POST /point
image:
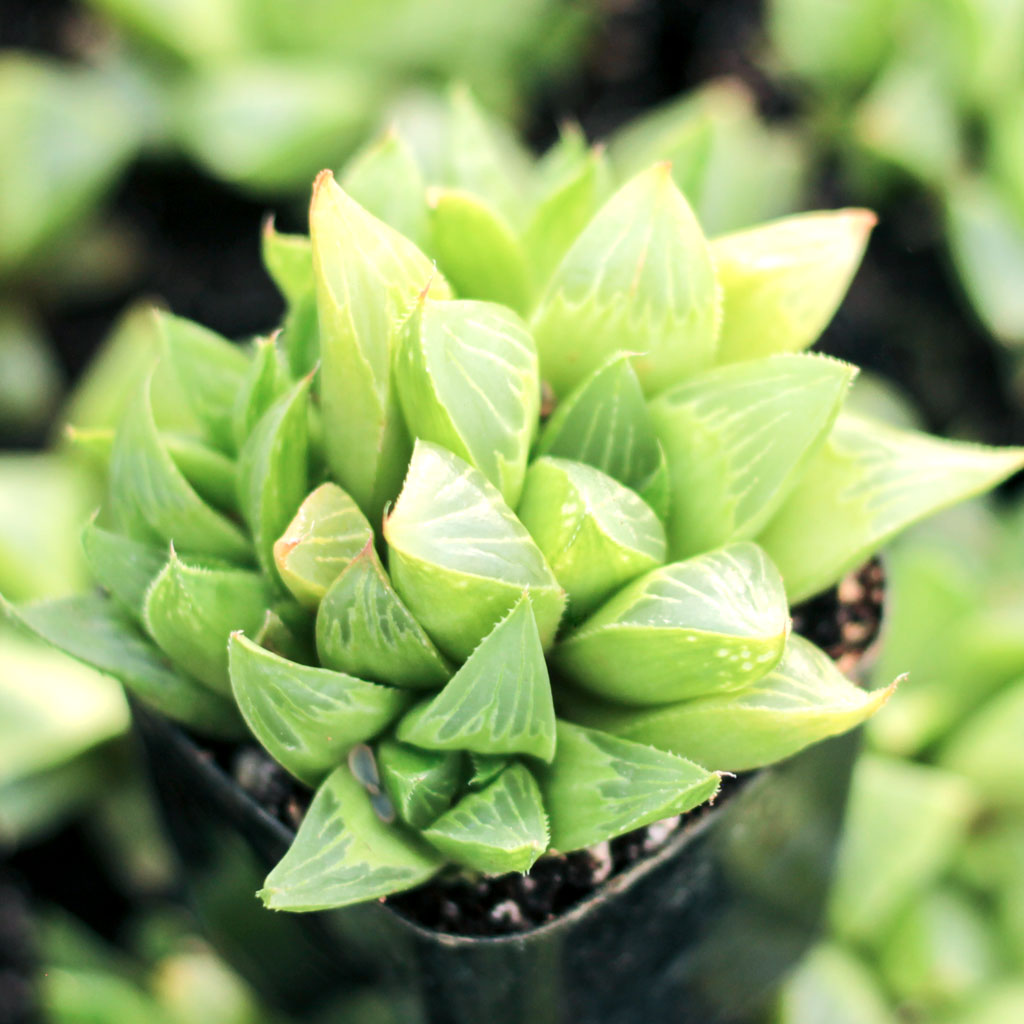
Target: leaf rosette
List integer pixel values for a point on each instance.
(481, 628)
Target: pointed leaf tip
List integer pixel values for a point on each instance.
(499, 701)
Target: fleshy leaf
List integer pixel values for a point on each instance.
(190, 612)
(483, 156)
(986, 240)
(363, 628)
(121, 565)
(712, 624)
(209, 472)
(368, 277)
(150, 494)
(804, 699)
(600, 786)
(783, 281)
(345, 854)
(386, 181)
(467, 379)
(211, 371)
(306, 718)
(498, 829)
(273, 470)
(459, 558)
(638, 279)
(279, 637)
(486, 768)
(564, 209)
(289, 261)
(91, 628)
(213, 475)
(986, 748)
(327, 532)
(477, 250)
(906, 823)
(868, 482)
(499, 701)
(736, 439)
(595, 534)
(420, 783)
(604, 422)
(266, 379)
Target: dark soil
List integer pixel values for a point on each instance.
(844, 622)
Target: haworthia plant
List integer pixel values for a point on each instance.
(510, 573)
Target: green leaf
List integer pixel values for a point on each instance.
(213, 475)
(832, 985)
(385, 180)
(345, 854)
(868, 482)
(280, 637)
(595, 534)
(500, 828)
(307, 718)
(486, 768)
(44, 498)
(712, 624)
(987, 748)
(368, 277)
(601, 786)
(564, 209)
(605, 423)
(734, 169)
(459, 558)
(483, 157)
(420, 783)
(499, 701)
(838, 46)
(273, 470)
(477, 250)
(190, 612)
(289, 262)
(466, 374)
(267, 122)
(266, 379)
(909, 118)
(211, 371)
(638, 279)
(363, 628)
(803, 700)
(941, 951)
(905, 824)
(150, 494)
(736, 439)
(121, 565)
(209, 472)
(67, 131)
(92, 629)
(131, 350)
(986, 239)
(328, 531)
(782, 281)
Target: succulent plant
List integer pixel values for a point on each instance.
(494, 543)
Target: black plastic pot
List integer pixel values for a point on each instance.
(698, 933)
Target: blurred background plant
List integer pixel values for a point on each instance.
(916, 108)
(125, 123)
(926, 924)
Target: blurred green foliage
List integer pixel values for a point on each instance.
(930, 91)
(927, 917)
